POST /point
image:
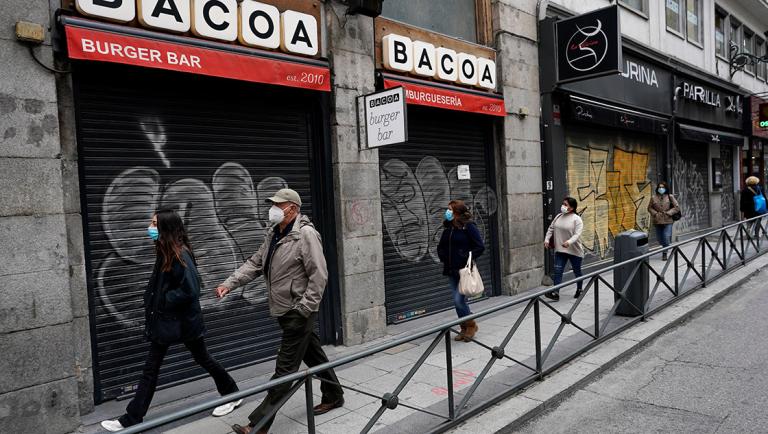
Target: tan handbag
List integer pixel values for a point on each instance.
(470, 282)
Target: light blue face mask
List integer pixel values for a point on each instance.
(662, 190)
(448, 216)
(153, 233)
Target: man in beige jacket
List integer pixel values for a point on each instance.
(292, 262)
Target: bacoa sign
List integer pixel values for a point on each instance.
(252, 23)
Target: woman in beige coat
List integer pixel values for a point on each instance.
(662, 207)
(564, 235)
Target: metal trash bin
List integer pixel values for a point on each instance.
(628, 245)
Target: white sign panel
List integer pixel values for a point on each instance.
(385, 118)
(463, 171)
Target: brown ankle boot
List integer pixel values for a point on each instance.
(460, 336)
(472, 328)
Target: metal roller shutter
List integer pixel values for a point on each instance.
(690, 181)
(214, 150)
(418, 179)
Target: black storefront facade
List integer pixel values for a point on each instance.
(211, 145)
(708, 136)
(606, 143)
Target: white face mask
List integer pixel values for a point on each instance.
(276, 215)
(563, 209)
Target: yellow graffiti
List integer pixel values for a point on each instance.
(613, 193)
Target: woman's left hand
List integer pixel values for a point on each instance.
(566, 244)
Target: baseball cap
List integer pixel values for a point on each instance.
(285, 195)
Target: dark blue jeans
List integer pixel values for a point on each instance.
(561, 259)
(664, 234)
(459, 299)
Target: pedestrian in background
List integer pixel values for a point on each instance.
(564, 236)
(663, 206)
(292, 261)
(753, 201)
(460, 238)
(173, 315)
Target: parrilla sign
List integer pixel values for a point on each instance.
(249, 22)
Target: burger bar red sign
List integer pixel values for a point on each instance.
(251, 23)
(589, 45)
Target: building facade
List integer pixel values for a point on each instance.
(128, 107)
(677, 112)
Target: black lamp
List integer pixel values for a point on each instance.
(370, 8)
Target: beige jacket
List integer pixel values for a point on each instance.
(662, 207)
(567, 227)
(297, 272)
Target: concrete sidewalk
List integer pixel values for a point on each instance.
(381, 373)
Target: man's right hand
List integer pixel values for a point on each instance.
(221, 291)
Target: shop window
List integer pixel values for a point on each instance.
(734, 34)
(636, 5)
(674, 16)
(721, 49)
(693, 20)
(748, 47)
(457, 18)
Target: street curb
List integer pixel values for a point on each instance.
(510, 415)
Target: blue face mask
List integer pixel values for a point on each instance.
(153, 233)
(662, 190)
(448, 216)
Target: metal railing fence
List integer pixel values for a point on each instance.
(715, 253)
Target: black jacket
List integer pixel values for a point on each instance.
(172, 303)
(747, 205)
(455, 245)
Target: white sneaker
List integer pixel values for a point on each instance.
(227, 408)
(112, 425)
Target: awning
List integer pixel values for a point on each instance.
(586, 110)
(104, 42)
(427, 93)
(705, 135)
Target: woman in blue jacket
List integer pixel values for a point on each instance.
(459, 238)
(172, 316)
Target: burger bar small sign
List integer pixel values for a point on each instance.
(589, 45)
(249, 22)
(385, 118)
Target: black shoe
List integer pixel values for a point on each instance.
(325, 407)
(552, 295)
(664, 256)
(577, 294)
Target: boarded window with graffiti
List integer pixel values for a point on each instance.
(612, 176)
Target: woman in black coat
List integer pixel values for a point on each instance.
(173, 315)
(459, 238)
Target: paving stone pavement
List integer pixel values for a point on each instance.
(381, 373)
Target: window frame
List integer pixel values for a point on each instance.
(749, 68)
(679, 31)
(699, 23)
(737, 42)
(721, 13)
(760, 51)
(643, 13)
(483, 24)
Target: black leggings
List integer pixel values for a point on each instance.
(139, 405)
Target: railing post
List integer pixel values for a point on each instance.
(741, 239)
(449, 380)
(704, 244)
(537, 337)
(597, 308)
(310, 404)
(677, 273)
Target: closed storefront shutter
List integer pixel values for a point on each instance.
(418, 179)
(612, 175)
(691, 176)
(728, 195)
(211, 149)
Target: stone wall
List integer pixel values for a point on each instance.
(44, 332)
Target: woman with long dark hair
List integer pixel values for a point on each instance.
(460, 238)
(662, 207)
(173, 315)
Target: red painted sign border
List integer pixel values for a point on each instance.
(433, 96)
(89, 44)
